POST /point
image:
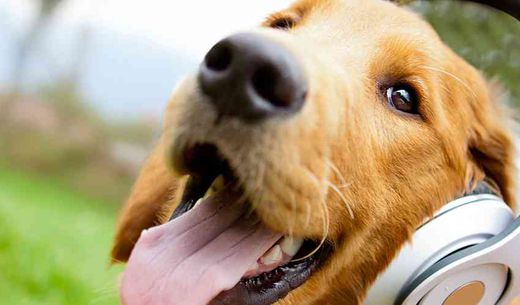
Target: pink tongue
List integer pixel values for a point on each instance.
(190, 260)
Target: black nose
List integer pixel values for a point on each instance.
(252, 78)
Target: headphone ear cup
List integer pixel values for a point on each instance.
(461, 225)
(489, 271)
(480, 284)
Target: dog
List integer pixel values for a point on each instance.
(320, 142)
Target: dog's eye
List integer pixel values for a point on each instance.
(285, 23)
(403, 98)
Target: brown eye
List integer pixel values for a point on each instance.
(283, 23)
(403, 98)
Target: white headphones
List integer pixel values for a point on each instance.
(467, 254)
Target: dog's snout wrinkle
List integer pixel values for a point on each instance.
(252, 78)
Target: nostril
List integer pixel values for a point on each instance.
(219, 58)
(252, 78)
(264, 82)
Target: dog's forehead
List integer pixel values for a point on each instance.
(362, 17)
(363, 31)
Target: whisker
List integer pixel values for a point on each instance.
(336, 171)
(456, 78)
(344, 186)
(308, 207)
(342, 197)
(326, 228)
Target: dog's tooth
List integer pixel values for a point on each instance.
(209, 192)
(198, 202)
(218, 184)
(253, 267)
(273, 256)
(291, 245)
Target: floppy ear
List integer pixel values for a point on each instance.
(147, 205)
(492, 148)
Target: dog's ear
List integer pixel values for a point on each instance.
(491, 146)
(147, 204)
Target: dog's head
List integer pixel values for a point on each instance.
(346, 123)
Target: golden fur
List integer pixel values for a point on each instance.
(347, 167)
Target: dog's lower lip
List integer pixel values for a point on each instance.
(272, 286)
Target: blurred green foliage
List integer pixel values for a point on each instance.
(488, 39)
(53, 252)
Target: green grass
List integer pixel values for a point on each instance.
(54, 244)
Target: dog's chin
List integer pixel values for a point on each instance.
(289, 262)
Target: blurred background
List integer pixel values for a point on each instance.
(83, 84)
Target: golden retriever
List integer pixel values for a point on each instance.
(333, 131)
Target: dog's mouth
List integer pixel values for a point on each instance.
(280, 267)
